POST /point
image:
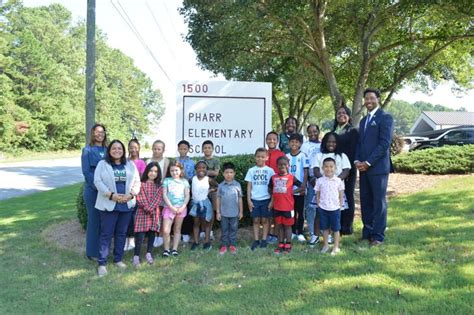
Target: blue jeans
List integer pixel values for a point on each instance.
(310, 208)
(93, 222)
(229, 228)
(113, 223)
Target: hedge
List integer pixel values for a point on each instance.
(242, 164)
(442, 160)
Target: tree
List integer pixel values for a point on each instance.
(42, 63)
(346, 45)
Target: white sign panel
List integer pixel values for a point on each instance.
(235, 116)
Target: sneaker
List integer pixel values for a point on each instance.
(324, 249)
(263, 244)
(158, 242)
(287, 248)
(294, 236)
(232, 249)
(280, 249)
(335, 251)
(174, 253)
(202, 235)
(194, 246)
(223, 250)
(207, 246)
(186, 238)
(272, 239)
(136, 261)
(101, 271)
(254, 245)
(166, 254)
(149, 258)
(330, 239)
(314, 240)
(121, 265)
(301, 238)
(211, 236)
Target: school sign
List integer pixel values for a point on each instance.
(235, 116)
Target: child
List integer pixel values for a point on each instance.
(281, 186)
(230, 209)
(299, 169)
(185, 160)
(147, 219)
(291, 125)
(201, 208)
(330, 197)
(188, 164)
(311, 148)
(258, 197)
(176, 197)
(273, 153)
(158, 149)
(213, 168)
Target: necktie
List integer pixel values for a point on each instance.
(369, 117)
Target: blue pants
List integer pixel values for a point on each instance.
(373, 204)
(113, 223)
(93, 222)
(229, 228)
(310, 208)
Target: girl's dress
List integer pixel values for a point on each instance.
(148, 212)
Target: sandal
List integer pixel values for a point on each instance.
(175, 253)
(166, 253)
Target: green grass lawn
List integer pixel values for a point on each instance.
(426, 266)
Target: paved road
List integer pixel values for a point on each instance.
(22, 178)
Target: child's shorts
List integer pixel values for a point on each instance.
(168, 214)
(286, 218)
(260, 209)
(330, 219)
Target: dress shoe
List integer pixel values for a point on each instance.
(375, 243)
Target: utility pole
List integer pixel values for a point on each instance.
(90, 68)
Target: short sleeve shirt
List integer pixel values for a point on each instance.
(329, 189)
(260, 178)
(342, 161)
(298, 163)
(188, 165)
(272, 157)
(212, 165)
(282, 191)
(229, 193)
(176, 190)
(311, 149)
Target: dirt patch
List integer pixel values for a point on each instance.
(69, 235)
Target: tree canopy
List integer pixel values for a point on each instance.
(42, 67)
(334, 48)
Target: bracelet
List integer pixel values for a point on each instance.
(111, 195)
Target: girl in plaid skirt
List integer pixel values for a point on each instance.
(147, 219)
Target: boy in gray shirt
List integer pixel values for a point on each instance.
(230, 209)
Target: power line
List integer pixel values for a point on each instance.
(161, 31)
(135, 31)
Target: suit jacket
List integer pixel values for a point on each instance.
(104, 180)
(374, 143)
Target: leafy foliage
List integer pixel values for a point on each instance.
(81, 208)
(443, 160)
(42, 65)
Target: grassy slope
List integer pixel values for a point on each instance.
(426, 266)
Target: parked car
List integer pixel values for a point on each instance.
(459, 136)
(410, 141)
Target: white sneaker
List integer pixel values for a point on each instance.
(101, 271)
(324, 249)
(301, 238)
(186, 238)
(330, 239)
(211, 235)
(158, 242)
(202, 235)
(120, 265)
(335, 251)
(314, 240)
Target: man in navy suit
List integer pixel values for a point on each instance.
(372, 159)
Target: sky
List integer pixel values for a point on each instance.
(162, 29)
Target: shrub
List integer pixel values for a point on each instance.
(81, 208)
(443, 160)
